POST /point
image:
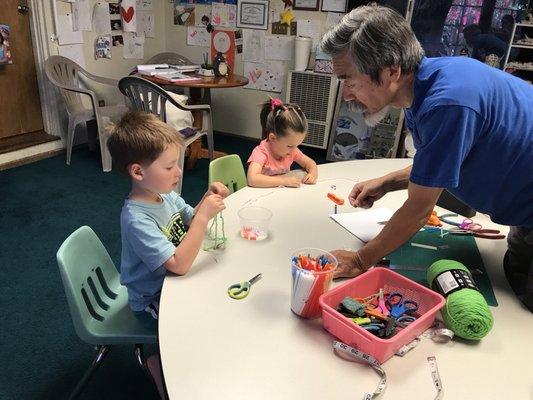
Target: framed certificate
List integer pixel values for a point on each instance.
(334, 5)
(310, 5)
(252, 14)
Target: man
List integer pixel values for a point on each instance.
(483, 44)
(472, 127)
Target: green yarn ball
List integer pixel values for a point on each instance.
(466, 311)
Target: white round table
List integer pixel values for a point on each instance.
(214, 347)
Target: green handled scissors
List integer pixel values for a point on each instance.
(239, 291)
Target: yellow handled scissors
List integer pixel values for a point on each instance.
(239, 291)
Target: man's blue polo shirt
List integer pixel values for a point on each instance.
(472, 129)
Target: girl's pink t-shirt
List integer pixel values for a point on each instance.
(271, 166)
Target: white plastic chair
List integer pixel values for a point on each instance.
(66, 75)
(169, 58)
(151, 98)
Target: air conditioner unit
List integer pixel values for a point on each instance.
(316, 95)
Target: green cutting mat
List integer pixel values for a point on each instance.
(462, 248)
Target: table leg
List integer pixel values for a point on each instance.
(196, 150)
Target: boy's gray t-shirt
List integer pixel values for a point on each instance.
(150, 234)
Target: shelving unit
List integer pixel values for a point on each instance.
(522, 66)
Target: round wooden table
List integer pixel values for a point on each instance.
(200, 93)
(205, 84)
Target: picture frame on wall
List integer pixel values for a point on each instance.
(309, 5)
(252, 14)
(334, 5)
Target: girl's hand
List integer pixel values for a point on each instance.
(309, 179)
(292, 181)
(211, 206)
(218, 188)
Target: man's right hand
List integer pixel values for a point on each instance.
(349, 264)
(211, 205)
(365, 193)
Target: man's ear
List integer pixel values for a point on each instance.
(135, 170)
(391, 74)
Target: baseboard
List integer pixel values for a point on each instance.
(26, 156)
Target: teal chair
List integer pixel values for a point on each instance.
(97, 301)
(228, 170)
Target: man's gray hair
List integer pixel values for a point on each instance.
(375, 37)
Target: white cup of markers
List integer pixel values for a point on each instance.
(312, 273)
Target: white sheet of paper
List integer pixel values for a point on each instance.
(101, 18)
(364, 224)
(65, 32)
(279, 47)
(332, 19)
(334, 5)
(253, 44)
(128, 14)
(146, 25)
(223, 14)
(73, 52)
(268, 76)
(198, 36)
(276, 8)
(133, 45)
(144, 5)
(81, 12)
(309, 28)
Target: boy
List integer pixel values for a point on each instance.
(154, 219)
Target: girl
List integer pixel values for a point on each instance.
(284, 129)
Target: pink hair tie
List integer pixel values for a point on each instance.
(277, 103)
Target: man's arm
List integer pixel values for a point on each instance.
(399, 180)
(405, 222)
(365, 193)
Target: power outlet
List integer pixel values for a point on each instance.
(279, 29)
(293, 28)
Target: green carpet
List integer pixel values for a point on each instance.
(42, 203)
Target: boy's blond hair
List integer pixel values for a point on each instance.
(140, 138)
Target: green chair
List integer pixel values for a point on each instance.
(228, 170)
(97, 301)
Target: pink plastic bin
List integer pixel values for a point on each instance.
(429, 302)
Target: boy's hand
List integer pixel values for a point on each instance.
(211, 206)
(292, 181)
(218, 188)
(309, 179)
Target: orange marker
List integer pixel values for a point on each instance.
(335, 199)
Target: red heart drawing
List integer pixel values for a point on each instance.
(127, 15)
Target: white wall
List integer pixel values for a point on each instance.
(117, 66)
(235, 110)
